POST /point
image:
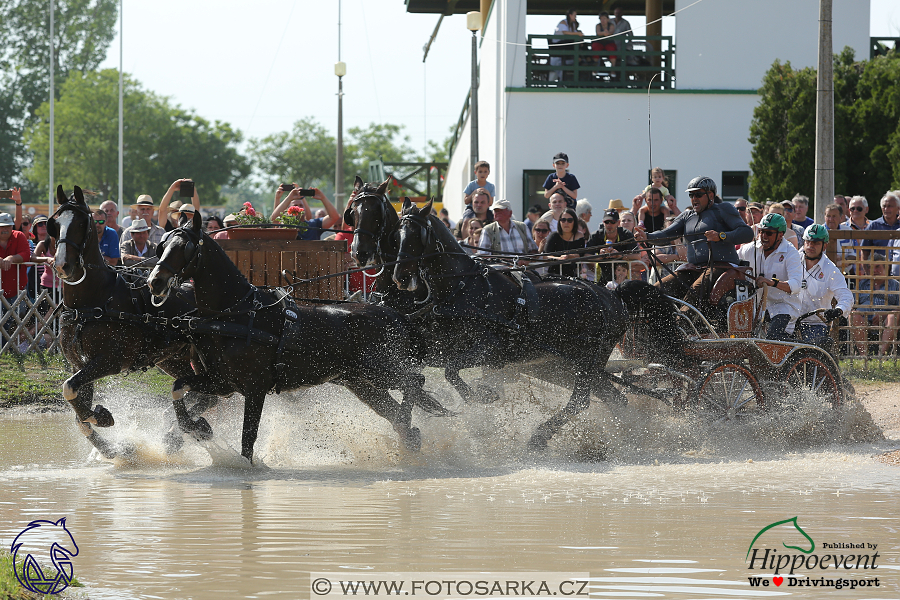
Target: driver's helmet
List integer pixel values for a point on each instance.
(773, 221)
(816, 233)
(702, 183)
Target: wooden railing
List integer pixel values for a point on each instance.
(573, 63)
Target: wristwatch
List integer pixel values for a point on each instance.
(722, 235)
(774, 282)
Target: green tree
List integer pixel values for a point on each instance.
(162, 143)
(305, 155)
(83, 30)
(866, 127)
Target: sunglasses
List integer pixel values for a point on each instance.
(857, 208)
(741, 208)
(696, 194)
(99, 222)
(567, 220)
(542, 230)
(767, 232)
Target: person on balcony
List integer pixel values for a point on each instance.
(604, 29)
(566, 27)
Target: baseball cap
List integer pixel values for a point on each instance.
(610, 215)
(6, 220)
(501, 204)
(561, 156)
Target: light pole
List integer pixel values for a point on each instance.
(52, 94)
(473, 24)
(340, 69)
(824, 182)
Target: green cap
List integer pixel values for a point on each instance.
(773, 221)
(816, 233)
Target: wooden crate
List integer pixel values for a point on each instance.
(262, 261)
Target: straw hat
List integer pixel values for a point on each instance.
(143, 200)
(174, 205)
(616, 205)
(138, 225)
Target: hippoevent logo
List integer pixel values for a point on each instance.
(789, 552)
(47, 543)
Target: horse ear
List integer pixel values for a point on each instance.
(407, 206)
(61, 195)
(349, 217)
(358, 184)
(198, 221)
(426, 210)
(382, 189)
(79, 195)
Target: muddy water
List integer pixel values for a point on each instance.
(649, 505)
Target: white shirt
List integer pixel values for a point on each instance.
(822, 283)
(784, 264)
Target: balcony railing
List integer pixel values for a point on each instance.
(879, 46)
(584, 65)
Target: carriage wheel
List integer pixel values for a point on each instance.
(809, 374)
(729, 392)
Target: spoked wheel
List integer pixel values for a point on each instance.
(729, 392)
(811, 375)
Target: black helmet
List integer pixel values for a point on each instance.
(702, 183)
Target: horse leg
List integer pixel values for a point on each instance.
(580, 399)
(78, 390)
(398, 415)
(209, 391)
(484, 395)
(173, 439)
(253, 407)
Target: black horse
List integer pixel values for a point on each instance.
(255, 340)
(107, 325)
(375, 242)
(513, 320)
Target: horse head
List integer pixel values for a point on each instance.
(416, 240)
(72, 226)
(373, 219)
(52, 543)
(179, 253)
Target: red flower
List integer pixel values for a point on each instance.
(294, 210)
(248, 205)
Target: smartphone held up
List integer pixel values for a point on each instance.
(187, 189)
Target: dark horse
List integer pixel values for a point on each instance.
(376, 241)
(514, 320)
(107, 325)
(256, 340)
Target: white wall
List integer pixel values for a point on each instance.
(605, 136)
(730, 44)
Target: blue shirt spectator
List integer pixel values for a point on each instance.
(889, 221)
(473, 185)
(109, 243)
(313, 231)
(879, 297)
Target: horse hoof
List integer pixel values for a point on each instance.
(101, 417)
(413, 441)
(201, 430)
(172, 441)
(178, 394)
(68, 393)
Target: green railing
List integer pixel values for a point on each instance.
(578, 65)
(879, 46)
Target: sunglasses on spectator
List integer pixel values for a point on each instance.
(567, 220)
(857, 208)
(541, 230)
(696, 194)
(99, 221)
(741, 208)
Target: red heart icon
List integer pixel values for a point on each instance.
(777, 580)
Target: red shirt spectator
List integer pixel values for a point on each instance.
(13, 247)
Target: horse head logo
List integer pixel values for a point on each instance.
(793, 521)
(49, 543)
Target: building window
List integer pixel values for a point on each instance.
(532, 190)
(734, 185)
(671, 177)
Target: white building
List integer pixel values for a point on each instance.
(700, 122)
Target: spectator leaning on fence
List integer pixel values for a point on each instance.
(14, 250)
(821, 282)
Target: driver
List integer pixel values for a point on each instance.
(822, 281)
(711, 229)
(777, 264)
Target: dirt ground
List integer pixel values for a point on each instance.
(882, 400)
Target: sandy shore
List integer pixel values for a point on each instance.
(882, 400)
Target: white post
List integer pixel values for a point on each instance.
(121, 119)
(824, 192)
(52, 94)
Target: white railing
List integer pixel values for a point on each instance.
(24, 323)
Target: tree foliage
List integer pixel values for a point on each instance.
(83, 30)
(162, 143)
(866, 128)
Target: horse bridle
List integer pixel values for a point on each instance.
(382, 203)
(78, 247)
(193, 250)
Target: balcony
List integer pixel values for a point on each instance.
(642, 62)
(879, 46)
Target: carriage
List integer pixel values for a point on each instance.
(725, 373)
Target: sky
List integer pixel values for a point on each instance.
(263, 65)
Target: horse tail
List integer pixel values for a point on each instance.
(654, 317)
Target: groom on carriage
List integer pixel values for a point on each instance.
(711, 230)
